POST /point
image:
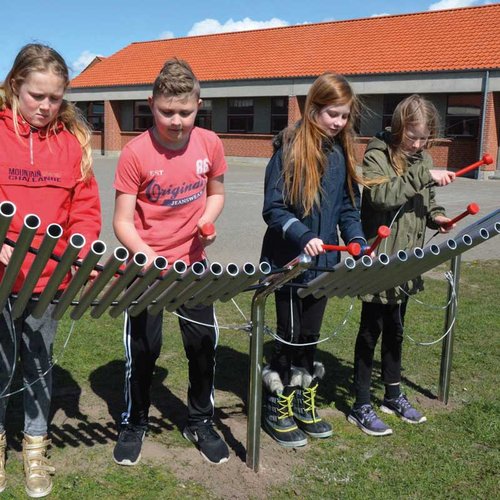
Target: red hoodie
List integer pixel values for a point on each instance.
(39, 173)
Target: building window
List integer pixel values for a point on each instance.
(204, 116)
(279, 114)
(143, 118)
(94, 113)
(240, 115)
(390, 103)
(462, 115)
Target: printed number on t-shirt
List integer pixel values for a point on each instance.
(202, 166)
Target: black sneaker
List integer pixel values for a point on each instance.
(128, 447)
(211, 446)
(306, 414)
(278, 421)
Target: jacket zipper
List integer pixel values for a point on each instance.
(31, 147)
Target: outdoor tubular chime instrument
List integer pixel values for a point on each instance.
(131, 282)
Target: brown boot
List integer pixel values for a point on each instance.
(36, 466)
(3, 446)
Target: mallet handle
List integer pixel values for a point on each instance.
(353, 248)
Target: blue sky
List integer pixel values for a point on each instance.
(81, 30)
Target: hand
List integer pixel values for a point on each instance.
(441, 220)
(6, 254)
(314, 247)
(442, 177)
(206, 239)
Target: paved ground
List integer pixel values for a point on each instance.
(240, 227)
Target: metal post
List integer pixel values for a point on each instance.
(270, 284)
(447, 348)
(255, 384)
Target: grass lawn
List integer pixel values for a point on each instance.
(453, 455)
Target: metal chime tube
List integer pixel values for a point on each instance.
(213, 280)
(392, 273)
(403, 269)
(231, 273)
(337, 280)
(75, 244)
(171, 293)
(178, 268)
(97, 250)
(159, 264)
(325, 279)
(375, 272)
(363, 267)
(7, 211)
(263, 269)
(119, 256)
(52, 235)
(138, 261)
(245, 278)
(187, 293)
(31, 224)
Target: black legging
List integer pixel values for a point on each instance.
(387, 319)
(301, 327)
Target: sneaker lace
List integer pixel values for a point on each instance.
(130, 435)
(285, 406)
(206, 432)
(368, 413)
(309, 395)
(403, 402)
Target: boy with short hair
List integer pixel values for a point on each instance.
(170, 182)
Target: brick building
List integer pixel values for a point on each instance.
(255, 82)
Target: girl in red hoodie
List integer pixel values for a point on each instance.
(45, 169)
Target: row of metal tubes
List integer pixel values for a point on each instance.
(390, 271)
(413, 265)
(196, 284)
(421, 261)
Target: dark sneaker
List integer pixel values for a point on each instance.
(211, 446)
(306, 414)
(278, 419)
(367, 420)
(128, 447)
(403, 409)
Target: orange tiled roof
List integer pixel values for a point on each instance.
(449, 40)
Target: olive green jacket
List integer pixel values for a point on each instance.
(405, 203)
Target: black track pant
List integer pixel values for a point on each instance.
(143, 339)
(376, 319)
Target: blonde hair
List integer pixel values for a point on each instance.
(412, 110)
(304, 159)
(176, 79)
(37, 57)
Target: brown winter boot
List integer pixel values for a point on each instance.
(3, 446)
(36, 466)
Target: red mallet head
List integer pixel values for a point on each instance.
(383, 232)
(207, 229)
(354, 249)
(472, 208)
(487, 159)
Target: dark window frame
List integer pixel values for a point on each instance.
(240, 119)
